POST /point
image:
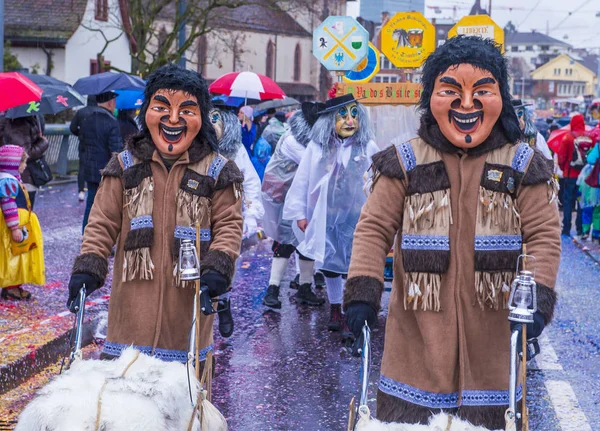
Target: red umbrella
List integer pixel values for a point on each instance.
(17, 90)
(557, 136)
(248, 85)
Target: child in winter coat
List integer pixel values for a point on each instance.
(13, 161)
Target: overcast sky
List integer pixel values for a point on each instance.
(582, 27)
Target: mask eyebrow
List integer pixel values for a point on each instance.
(162, 99)
(451, 81)
(188, 103)
(486, 80)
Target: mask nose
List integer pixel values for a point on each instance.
(467, 101)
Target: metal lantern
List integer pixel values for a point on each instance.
(522, 301)
(189, 265)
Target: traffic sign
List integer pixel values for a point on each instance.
(367, 68)
(479, 25)
(340, 43)
(407, 39)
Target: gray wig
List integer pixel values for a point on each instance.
(529, 131)
(231, 140)
(299, 127)
(323, 131)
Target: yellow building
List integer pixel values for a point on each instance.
(565, 76)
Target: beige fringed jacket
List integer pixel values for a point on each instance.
(147, 210)
(459, 221)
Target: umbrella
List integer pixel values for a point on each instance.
(557, 136)
(274, 104)
(17, 90)
(109, 81)
(234, 102)
(56, 97)
(248, 85)
(54, 100)
(129, 99)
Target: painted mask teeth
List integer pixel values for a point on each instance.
(172, 133)
(468, 121)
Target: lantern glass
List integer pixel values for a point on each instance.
(523, 298)
(189, 267)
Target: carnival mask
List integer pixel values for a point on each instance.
(216, 120)
(466, 104)
(346, 120)
(521, 116)
(174, 120)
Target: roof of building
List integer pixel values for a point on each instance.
(42, 19)
(533, 37)
(590, 62)
(251, 17)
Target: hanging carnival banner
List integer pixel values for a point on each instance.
(479, 25)
(367, 68)
(340, 43)
(377, 93)
(407, 39)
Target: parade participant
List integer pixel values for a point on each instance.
(229, 135)
(461, 200)
(277, 180)
(327, 194)
(530, 132)
(152, 196)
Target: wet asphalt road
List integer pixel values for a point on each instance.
(285, 371)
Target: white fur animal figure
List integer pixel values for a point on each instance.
(153, 395)
(439, 422)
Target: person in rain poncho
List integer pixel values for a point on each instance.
(277, 180)
(327, 194)
(461, 201)
(229, 134)
(153, 195)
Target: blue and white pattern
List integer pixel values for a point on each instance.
(127, 159)
(216, 166)
(409, 160)
(115, 349)
(141, 222)
(435, 400)
(498, 242)
(425, 242)
(522, 157)
(184, 232)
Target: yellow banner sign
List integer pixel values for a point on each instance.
(375, 93)
(478, 25)
(407, 39)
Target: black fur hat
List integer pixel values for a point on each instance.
(173, 77)
(483, 54)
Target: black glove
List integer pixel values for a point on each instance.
(76, 283)
(357, 313)
(534, 330)
(214, 282)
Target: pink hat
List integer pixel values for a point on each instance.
(248, 112)
(10, 159)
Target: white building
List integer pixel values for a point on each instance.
(533, 48)
(55, 38)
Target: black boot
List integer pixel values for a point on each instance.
(305, 295)
(295, 283)
(272, 297)
(336, 320)
(319, 280)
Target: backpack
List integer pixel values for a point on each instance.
(582, 145)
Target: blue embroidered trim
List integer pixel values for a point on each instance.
(215, 167)
(141, 222)
(522, 156)
(434, 400)
(425, 242)
(127, 159)
(115, 349)
(183, 232)
(498, 242)
(409, 160)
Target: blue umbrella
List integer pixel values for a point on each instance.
(233, 101)
(129, 99)
(109, 81)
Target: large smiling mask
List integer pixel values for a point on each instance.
(174, 119)
(466, 104)
(466, 95)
